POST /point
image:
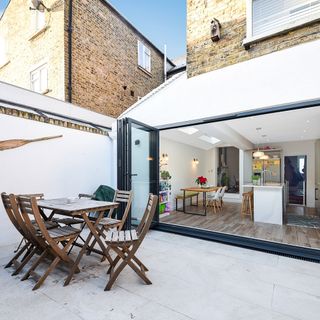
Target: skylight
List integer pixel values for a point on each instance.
(188, 130)
(208, 139)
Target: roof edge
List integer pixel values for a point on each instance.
(5, 9)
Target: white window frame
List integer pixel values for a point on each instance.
(284, 28)
(144, 62)
(38, 71)
(3, 51)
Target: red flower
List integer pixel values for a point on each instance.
(201, 180)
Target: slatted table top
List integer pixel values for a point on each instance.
(75, 204)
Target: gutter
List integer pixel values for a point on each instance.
(70, 52)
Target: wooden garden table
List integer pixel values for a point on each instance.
(81, 208)
(204, 191)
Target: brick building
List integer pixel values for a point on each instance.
(249, 29)
(80, 51)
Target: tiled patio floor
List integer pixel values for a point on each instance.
(192, 279)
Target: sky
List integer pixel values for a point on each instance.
(161, 21)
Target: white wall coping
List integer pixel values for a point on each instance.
(23, 96)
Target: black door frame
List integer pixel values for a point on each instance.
(124, 163)
(246, 242)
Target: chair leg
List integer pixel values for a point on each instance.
(18, 254)
(25, 261)
(115, 271)
(35, 265)
(45, 275)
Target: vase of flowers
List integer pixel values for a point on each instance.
(201, 181)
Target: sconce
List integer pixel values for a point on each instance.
(215, 30)
(164, 159)
(196, 161)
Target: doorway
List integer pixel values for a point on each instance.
(295, 174)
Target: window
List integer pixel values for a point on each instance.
(39, 79)
(3, 51)
(39, 20)
(265, 18)
(144, 57)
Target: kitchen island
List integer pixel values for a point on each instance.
(268, 202)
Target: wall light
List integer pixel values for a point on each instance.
(195, 161)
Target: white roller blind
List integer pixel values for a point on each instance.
(274, 15)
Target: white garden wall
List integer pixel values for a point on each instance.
(76, 163)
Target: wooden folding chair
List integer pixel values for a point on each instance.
(109, 222)
(126, 243)
(56, 241)
(10, 208)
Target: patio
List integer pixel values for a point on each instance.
(192, 279)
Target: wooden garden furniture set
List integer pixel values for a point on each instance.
(48, 240)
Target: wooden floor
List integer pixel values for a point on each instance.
(229, 220)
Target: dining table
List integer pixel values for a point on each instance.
(80, 208)
(204, 191)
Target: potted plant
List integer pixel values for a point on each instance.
(201, 181)
(255, 180)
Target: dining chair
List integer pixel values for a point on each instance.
(126, 243)
(221, 195)
(213, 200)
(31, 245)
(54, 242)
(123, 197)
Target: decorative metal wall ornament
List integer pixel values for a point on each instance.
(215, 30)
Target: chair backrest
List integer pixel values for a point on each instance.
(124, 197)
(223, 190)
(29, 206)
(9, 207)
(217, 194)
(147, 218)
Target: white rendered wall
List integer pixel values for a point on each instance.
(78, 162)
(180, 165)
(285, 76)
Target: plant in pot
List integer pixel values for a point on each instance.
(201, 181)
(165, 175)
(255, 180)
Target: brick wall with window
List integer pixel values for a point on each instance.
(33, 40)
(249, 28)
(112, 65)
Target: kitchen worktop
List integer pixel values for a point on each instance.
(268, 185)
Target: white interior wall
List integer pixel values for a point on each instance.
(77, 162)
(180, 165)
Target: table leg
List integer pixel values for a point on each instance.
(92, 233)
(205, 203)
(184, 201)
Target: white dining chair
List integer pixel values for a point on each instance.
(213, 199)
(221, 195)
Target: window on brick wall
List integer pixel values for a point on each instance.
(3, 51)
(273, 16)
(39, 20)
(144, 56)
(39, 79)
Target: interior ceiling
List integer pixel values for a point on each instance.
(296, 125)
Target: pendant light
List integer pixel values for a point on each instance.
(258, 153)
(264, 157)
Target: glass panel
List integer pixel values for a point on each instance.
(140, 171)
(295, 173)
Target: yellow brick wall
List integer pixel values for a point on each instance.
(203, 55)
(105, 60)
(24, 53)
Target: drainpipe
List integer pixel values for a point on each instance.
(70, 52)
